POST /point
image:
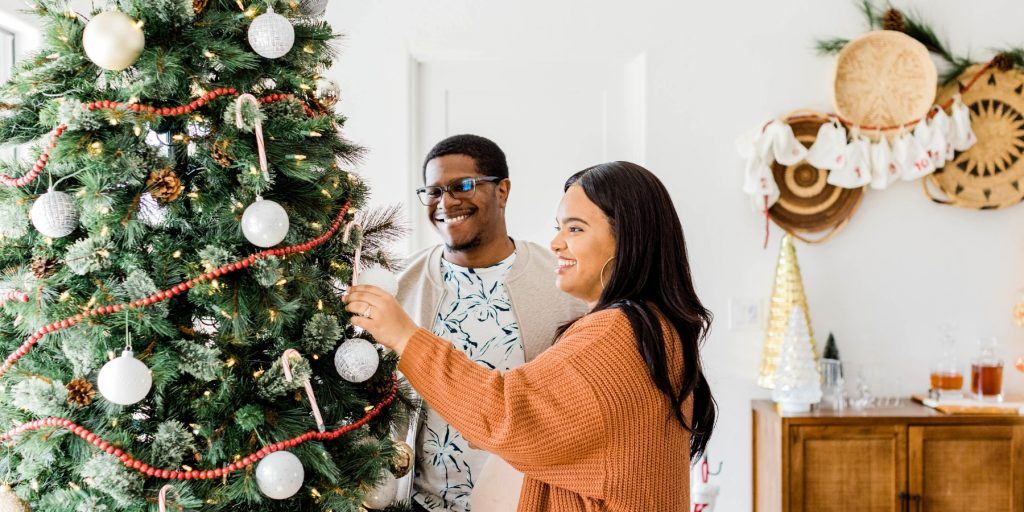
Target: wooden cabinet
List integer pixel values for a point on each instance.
(908, 459)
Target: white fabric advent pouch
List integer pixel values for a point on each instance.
(911, 157)
(941, 122)
(937, 146)
(785, 146)
(856, 170)
(829, 148)
(962, 135)
(883, 168)
(759, 182)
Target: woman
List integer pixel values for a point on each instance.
(609, 417)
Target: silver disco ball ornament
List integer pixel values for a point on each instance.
(327, 92)
(356, 360)
(54, 214)
(312, 8)
(271, 35)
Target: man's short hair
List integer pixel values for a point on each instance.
(489, 158)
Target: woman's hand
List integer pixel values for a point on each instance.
(381, 315)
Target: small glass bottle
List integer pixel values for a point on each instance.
(947, 379)
(987, 372)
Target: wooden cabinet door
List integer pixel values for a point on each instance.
(847, 468)
(967, 468)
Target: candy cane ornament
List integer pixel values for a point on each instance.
(257, 129)
(286, 364)
(162, 500)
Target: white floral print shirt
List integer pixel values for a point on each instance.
(476, 316)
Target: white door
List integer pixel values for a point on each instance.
(550, 119)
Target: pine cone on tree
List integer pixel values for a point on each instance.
(199, 5)
(165, 185)
(43, 267)
(220, 153)
(893, 20)
(1002, 62)
(80, 392)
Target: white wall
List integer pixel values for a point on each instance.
(715, 69)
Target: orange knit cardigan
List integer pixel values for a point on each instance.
(583, 421)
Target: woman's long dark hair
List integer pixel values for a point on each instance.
(651, 274)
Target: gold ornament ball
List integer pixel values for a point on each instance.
(113, 40)
(10, 502)
(328, 92)
(402, 462)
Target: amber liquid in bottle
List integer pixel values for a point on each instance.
(987, 380)
(947, 381)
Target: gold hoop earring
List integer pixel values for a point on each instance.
(603, 269)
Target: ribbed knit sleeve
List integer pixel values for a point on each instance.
(543, 418)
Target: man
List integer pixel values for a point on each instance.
(493, 297)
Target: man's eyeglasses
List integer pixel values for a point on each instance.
(462, 188)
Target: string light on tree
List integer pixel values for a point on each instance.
(280, 475)
(113, 41)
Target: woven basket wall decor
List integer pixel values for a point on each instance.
(884, 78)
(808, 205)
(990, 174)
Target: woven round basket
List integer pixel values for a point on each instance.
(990, 174)
(807, 204)
(884, 79)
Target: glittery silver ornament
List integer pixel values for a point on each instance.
(54, 214)
(271, 35)
(383, 494)
(312, 7)
(327, 92)
(356, 360)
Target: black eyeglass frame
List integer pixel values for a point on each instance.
(421, 192)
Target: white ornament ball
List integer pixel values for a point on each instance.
(356, 360)
(383, 494)
(312, 7)
(271, 35)
(125, 380)
(280, 475)
(113, 41)
(10, 502)
(380, 277)
(265, 223)
(54, 214)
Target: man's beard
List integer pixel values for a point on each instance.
(470, 245)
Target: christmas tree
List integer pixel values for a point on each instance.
(171, 255)
(787, 292)
(797, 382)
